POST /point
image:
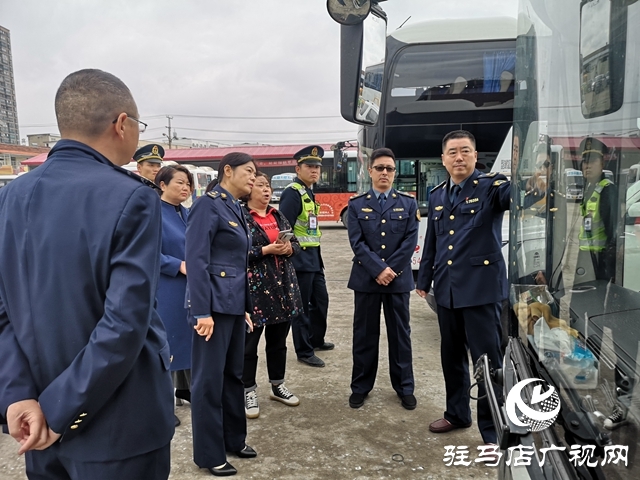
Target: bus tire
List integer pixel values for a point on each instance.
(344, 218)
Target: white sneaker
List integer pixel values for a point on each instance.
(251, 408)
(282, 394)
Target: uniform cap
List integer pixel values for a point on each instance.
(591, 148)
(311, 155)
(149, 153)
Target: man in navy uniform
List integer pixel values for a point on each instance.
(301, 210)
(462, 256)
(149, 160)
(383, 231)
(85, 357)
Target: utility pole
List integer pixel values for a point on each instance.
(170, 136)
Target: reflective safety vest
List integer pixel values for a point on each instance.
(595, 238)
(306, 236)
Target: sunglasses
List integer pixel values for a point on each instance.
(382, 168)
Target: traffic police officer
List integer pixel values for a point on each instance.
(149, 160)
(462, 256)
(217, 254)
(301, 210)
(383, 231)
(598, 210)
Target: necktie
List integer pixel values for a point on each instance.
(382, 200)
(456, 191)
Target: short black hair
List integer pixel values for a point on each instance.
(88, 100)
(458, 134)
(381, 152)
(166, 174)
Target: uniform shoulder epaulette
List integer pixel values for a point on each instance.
(498, 178)
(406, 194)
(357, 196)
(213, 194)
(439, 185)
(488, 175)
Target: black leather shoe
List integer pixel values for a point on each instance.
(247, 452)
(326, 346)
(184, 395)
(356, 400)
(408, 401)
(313, 361)
(225, 471)
(177, 420)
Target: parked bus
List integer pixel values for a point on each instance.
(279, 182)
(563, 50)
(574, 334)
(574, 184)
(337, 183)
(438, 76)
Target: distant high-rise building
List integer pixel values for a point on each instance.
(8, 108)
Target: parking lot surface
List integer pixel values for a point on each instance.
(323, 438)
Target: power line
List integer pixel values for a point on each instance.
(264, 133)
(222, 117)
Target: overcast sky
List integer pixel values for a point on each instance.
(231, 58)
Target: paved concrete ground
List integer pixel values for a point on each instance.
(323, 438)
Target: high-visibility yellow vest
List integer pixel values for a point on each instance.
(596, 239)
(306, 236)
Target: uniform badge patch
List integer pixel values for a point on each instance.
(367, 210)
(438, 208)
(418, 215)
(233, 224)
(498, 183)
(398, 209)
(472, 200)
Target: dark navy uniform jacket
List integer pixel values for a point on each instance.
(80, 260)
(382, 238)
(309, 259)
(462, 247)
(218, 244)
(173, 284)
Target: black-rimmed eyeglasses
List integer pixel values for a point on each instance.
(141, 125)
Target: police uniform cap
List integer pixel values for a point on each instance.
(149, 153)
(311, 155)
(592, 148)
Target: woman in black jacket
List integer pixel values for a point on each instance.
(274, 293)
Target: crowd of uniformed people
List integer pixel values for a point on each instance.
(103, 294)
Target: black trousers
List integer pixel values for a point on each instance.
(476, 330)
(49, 465)
(217, 391)
(366, 341)
(310, 327)
(276, 350)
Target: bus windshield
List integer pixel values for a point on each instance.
(575, 252)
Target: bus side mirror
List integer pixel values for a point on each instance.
(349, 12)
(603, 48)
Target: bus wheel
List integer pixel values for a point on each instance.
(344, 217)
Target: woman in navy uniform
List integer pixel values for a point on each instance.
(462, 255)
(176, 183)
(218, 243)
(383, 232)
